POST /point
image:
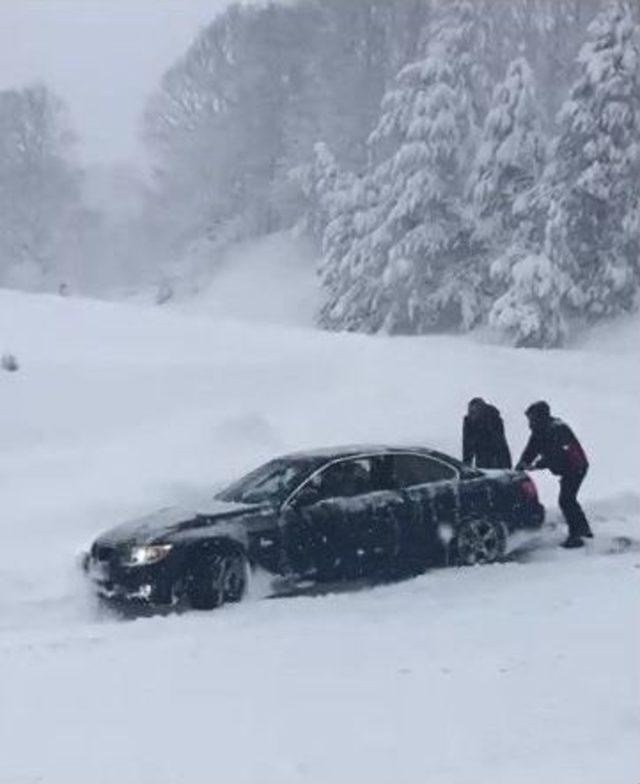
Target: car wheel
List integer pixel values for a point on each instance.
(218, 579)
(479, 541)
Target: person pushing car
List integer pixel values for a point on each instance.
(553, 445)
(483, 440)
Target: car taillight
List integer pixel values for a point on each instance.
(528, 489)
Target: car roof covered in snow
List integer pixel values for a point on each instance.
(352, 450)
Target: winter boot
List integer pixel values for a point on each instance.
(571, 542)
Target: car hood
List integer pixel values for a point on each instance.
(171, 520)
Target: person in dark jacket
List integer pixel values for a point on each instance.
(553, 445)
(483, 440)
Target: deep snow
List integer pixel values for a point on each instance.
(523, 672)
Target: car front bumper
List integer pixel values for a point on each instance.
(152, 584)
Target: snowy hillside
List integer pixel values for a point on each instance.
(522, 672)
(271, 279)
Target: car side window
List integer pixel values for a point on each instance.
(343, 479)
(411, 470)
(347, 478)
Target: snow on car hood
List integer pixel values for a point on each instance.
(169, 520)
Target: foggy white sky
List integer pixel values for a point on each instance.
(101, 56)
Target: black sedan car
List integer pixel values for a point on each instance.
(324, 515)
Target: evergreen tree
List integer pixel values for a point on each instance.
(527, 286)
(510, 215)
(405, 270)
(319, 181)
(348, 253)
(529, 311)
(511, 155)
(575, 244)
(595, 175)
(335, 199)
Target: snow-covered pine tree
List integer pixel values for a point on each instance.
(317, 180)
(350, 253)
(348, 209)
(334, 197)
(509, 211)
(405, 270)
(592, 232)
(529, 312)
(528, 286)
(510, 157)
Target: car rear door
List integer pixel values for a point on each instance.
(476, 497)
(430, 486)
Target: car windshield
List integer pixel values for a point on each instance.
(272, 482)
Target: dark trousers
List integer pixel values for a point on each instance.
(568, 502)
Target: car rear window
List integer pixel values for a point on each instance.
(410, 470)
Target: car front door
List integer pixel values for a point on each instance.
(345, 521)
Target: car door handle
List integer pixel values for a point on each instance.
(266, 542)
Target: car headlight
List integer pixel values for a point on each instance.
(141, 555)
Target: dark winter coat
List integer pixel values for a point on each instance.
(553, 445)
(484, 441)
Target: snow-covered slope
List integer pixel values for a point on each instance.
(270, 280)
(524, 672)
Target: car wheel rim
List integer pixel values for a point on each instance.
(479, 542)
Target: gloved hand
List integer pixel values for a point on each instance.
(535, 466)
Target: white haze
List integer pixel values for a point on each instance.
(102, 57)
(197, 124)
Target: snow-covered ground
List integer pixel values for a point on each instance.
(523, 672)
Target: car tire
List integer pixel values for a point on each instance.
(479, 541)
(218, 579)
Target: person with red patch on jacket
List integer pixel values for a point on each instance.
(553, 445)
